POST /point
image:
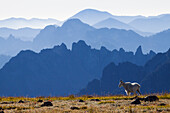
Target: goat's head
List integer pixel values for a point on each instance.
(120, 83)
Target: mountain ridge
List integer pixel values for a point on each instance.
(153, 77)
(37, 74)
(25, 34)
(74, 30)
(112, 23)
(16, 23)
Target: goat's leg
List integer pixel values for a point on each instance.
(139, 91)
(128, 93)
(134, 93)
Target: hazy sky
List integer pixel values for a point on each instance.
(62, 9)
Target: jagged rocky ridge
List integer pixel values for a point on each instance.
(154, 77)
(60, 71)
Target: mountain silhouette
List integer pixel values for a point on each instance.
(112, 23)
(143, 25)
(153, 76)
(25, 34)
(71, 31)
(74, 30)
(11, 46)
(108, 84)
(59, 71)
(3, 60)
(93, 16)
(152, 24)
(16, 23)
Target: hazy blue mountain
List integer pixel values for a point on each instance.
(145, 25)
(160, 41)
(60, 71)
(127, 19)
(114, 39)
(152, 24)
(164, 16)
(74, 30)
(144, 34)
(112, 23)
(26, 34)
(3, 60)
(71, 31)
(153, 76)
(92, 16)
(11, 46)
(17, 23)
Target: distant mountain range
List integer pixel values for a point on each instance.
(16, 23)
(25, 34)
(74, 30)
(3, 60)
(143, 25)
(60, 71)
(153, 77)
(152, 24)
(112, 23)
(92, 16)
(11, 46)
(71, 31)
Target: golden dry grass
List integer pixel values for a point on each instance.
(107, 104)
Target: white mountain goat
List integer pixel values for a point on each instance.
(130, 87)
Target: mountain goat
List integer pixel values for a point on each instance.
(130, 87)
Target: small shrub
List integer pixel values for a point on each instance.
(83, 107)
(106, 102)
(71, 96)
